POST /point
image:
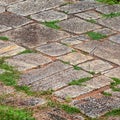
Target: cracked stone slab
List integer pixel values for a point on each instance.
(28, 7)
(97, 48)
(96, 107)
(115, 38)
(9, 49)
(113, 73)
(113, 23)
(108, 9)
(77, 25)
(54, 49)
(74, 91)
(59, 80)
(75, 40)
(50, 15)
(96, 66)
(37, 74)
(10, 20)
(88, 15)
(28, 61)
(34, 35)
(75, 58)
(79, 7)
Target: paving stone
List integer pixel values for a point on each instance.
(28, 61)
(113, 23)
(97, 48)
(34, 35)
(75, 58)
(113, 73)
(10, 20)
(50, 15)
(108, 9)
(105, 31)
(96, 66)
(115, 38)
(41, 73)
(2, 9)
(75, 91)
(59, 80)
(114, 118)
(79, 7)
(9, 49)
(30, 6)
(88, 15)
(54, 49)
(77, 25)
(75, 40)
(95, 107)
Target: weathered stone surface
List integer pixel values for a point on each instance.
(38, 74)
(10, 20)
(113, 72)
(28, 61)
(75, 40)
(75, 91)
(75, 58)
(30, 6)
(2, 9)
(59, 80)
(95, 107)
(50, 15)
(77, 25)
(9, 49)
(88, 15)
(115, 38)
(54, 49)
(110, 50)
(96, 66)
(113, 23)
(33, 35)
(108, 9)
(79, 7)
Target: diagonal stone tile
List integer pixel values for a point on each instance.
(34, 35)
(28, 61)
(2, 9)
(77, 25)
(54, 49)
(113, 23)
(50, 15)
(59, 80)
(75, 58)
(76, 90)
(10, 20)
(115, 38)
(33, 6)
(9, 49)
(96, 107)
(95, 66)
(41, 73)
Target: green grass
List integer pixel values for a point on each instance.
(109, 1)
(115, 112)
(92, 72)
(10, 113)
(106, 94)
(65, 62)
(76, 67)
(92, 21)
(27, 51)
(111, 15)
(80, 81)
(96, 36)
(116, 81)
(4, 38)
(52, 24)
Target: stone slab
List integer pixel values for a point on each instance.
(37, 74)
(59, 80)
(77, 25)
(50, 15)
(9, 49)
(54, 49)
(28, 61)
(115, 38)
(2, 9)
(34, 35)
(75, 58)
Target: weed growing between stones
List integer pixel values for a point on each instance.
(4, 38)
(115, 112)
(27, 51)
(114, 84)
(76, 67)
(109, 1)
(106, 93)
(111, 15)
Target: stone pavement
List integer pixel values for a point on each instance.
(63, 56)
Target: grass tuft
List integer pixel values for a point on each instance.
(4, 38)
(111, 15)
(115, 112)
